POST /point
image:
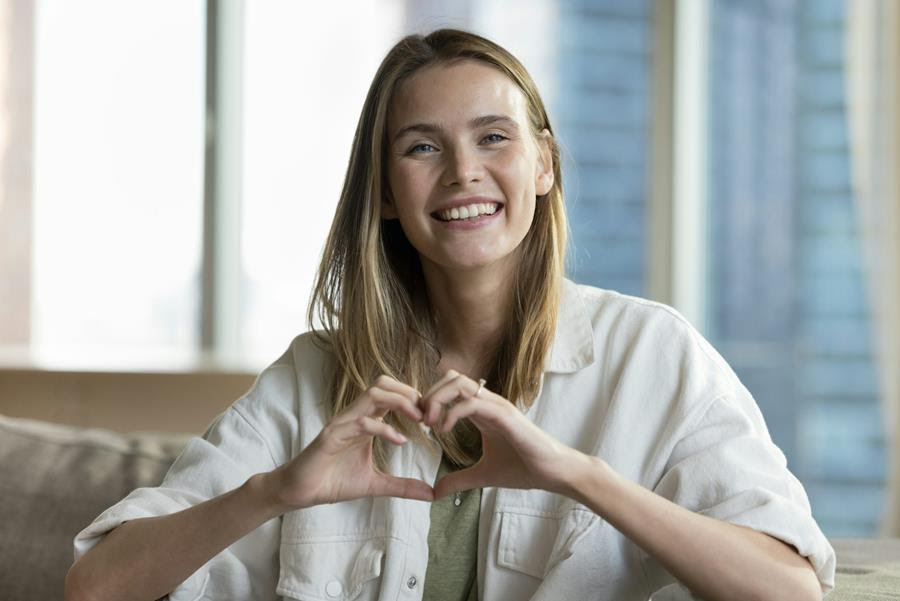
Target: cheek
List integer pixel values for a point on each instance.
(395, 178)
(406, 184)
(518, 174)
(408, 196)
(517, 169)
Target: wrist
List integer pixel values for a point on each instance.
(585, 477)
(263, 490)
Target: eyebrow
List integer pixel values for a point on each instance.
(475, 123)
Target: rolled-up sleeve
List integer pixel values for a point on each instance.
(229, 453)
(724, 465)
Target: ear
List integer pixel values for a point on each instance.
(387, 207)
(543, 176)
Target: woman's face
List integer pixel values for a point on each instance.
(463, 166)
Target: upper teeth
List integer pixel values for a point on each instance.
(473, 210)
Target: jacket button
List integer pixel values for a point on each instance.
(333, 588)
(411, 583)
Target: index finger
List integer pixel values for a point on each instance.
(390, 384)
(450, 374)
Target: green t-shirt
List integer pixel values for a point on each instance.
(453, 545)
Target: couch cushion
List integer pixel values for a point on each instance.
(54, 480)
(867, 570)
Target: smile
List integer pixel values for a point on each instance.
(472, 222)
(468, 212)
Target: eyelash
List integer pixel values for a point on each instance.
(501, 138)
(414, 149)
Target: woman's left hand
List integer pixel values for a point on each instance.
(515, 452)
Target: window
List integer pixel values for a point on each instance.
(603, 122)
(786, 300)
(117, 177)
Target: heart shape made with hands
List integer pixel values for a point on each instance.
(338, 464)
(515, 452)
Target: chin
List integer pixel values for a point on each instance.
(466, 263)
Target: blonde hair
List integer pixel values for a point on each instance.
(369, 294)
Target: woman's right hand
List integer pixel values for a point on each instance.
(338, 464)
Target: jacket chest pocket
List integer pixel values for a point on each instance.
(322, 562)
(331, 568)
(534, 543)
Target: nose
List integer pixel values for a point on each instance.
(462, 167)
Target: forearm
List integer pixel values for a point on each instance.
(716, 560)
(147, 558)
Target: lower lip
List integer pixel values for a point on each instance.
(470, 224)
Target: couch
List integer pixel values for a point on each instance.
(56, 479)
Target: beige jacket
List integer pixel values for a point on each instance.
(628, 380)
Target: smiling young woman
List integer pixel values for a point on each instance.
(467, 423)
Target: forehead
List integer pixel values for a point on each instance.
(454, 93)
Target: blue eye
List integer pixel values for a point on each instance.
(422, 148)
(494, 138)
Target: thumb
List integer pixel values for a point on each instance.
(408, 488)
(466, 479)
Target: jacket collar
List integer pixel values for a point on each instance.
(573, 347)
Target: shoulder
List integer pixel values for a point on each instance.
(642, 340)
(611, 312)
(602, 299)
(293, 386)
(306, 358)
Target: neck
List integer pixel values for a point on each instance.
(472, 308)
